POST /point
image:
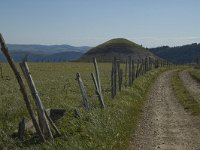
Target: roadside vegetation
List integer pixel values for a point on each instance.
(184, 97)
(195, 73)
(108, 128)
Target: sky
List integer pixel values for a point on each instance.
(151, 23)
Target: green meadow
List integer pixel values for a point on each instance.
(109, 128)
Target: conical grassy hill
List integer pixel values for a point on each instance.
(120, 48)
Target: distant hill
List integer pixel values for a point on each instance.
(180, 54)
(120, 48)
(44, 53)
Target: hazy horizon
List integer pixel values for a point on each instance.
(95, 45)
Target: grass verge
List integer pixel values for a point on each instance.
(195, 73)
(184, 97)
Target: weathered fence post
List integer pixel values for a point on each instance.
(137, 69)
(22, 87)
(147, 64)
(97, 90)
(150, 63)
(97, 82)
(112, 82)
(114, 77)
(97, 74)
(40, 108)
(125, 74)
(119, 75)
(129, 71)
(133, 71)
(83, 92)
(143, 66)
(121, 78)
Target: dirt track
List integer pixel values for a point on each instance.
(191, 85)
(164, 123)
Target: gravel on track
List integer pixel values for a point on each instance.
(164, 123)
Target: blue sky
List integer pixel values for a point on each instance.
(91, 22)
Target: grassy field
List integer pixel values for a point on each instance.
(108, 128)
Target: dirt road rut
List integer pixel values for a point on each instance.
(164, 123)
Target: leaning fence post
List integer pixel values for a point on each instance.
(22, 87)
(97, 74)
(40, 108)
(98, 82)
(83, 92)
(97, 90)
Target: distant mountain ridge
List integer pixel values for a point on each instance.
(120, 48)
(47, 48)
(179, 54)
(44, 53)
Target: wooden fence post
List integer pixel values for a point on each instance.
(129, 71)
(121, 78)
(146, 64)
(137, 69)
(125, 74)
(150, 63)
(133, 71)
(119, 75)
(96, 80)
(140, 68)
(97, 75)
(83, 92)
(22, 87)
(114, 77)
(112, 82)
(40, 108)
(143, 66)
